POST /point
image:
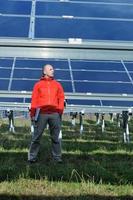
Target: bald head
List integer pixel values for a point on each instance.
(48, 70)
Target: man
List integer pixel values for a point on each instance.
(47, 106)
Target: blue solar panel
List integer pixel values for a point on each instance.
(100, 76)
(14, 26)
(77, 19)
(36, 74)
(84, 10)
(5, 73)
(98, 20)
(85, 76)
(18, 100)
(22, 85)
(76, 75)
(94, 87)
(129, 66)
(97, 65)
(15, 7)
(27, 73)
(117, 103)
(67, 86)
(131, 74)
(39, 63)
(84, 102)
(27, 85)
(85, 29)
(104, 1)
(4, 84)
(64, 75)
(6, 63)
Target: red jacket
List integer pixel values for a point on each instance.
(48, 95)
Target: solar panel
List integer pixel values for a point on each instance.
(106, 87)
(39, 63)
(88, 9)
(70, 19)
(103, 1)
(14, 26)
(110, 20)
(4, 84)
(82, 76)
(86, 21)
(6, 62)
(15, 7)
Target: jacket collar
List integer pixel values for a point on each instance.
(43, 78)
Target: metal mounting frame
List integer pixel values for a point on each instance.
(70, 108)
(63, 49)
(94, 50)
(76, 96)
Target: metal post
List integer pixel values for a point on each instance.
(118, 119)
(126, 135)
(103, 123)
(97, 118)
(9, 114)
(81, 121)
(73, 115)
(111, 117)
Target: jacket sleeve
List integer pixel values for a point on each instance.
(61, 98)
(34, 103)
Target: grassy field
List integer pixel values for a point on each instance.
(96, 166)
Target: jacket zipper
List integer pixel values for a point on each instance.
(48, 92)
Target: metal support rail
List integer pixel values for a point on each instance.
(76, 96)
(72, 48)
(69, 108)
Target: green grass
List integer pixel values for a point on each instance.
(96, 165)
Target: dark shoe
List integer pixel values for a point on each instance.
(32, 161)
(57, 160)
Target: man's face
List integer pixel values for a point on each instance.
(49, 71)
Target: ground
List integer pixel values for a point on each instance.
(96, 165)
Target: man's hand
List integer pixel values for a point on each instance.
(33, 121)
(60, 115)
(32, 118)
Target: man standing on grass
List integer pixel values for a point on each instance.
(47, 106)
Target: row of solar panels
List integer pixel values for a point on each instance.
(76, 102)
(65, 20)
(75, 75)
(64, 64)
(80, 9)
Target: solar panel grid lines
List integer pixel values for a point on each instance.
(127, 72)
(11, 75)
(81, 10)
(14, 18)
(100, 1)
(32, 20)
(84, 18)
(97, 2)
(10, 7)
(97, 20)
(71, 75)
(114, 2)
(65, 72)
(39, 19)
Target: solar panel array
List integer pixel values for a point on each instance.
(87, 76)
(89, 20)
(106, 20)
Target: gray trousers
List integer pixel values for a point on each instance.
(54, 122)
